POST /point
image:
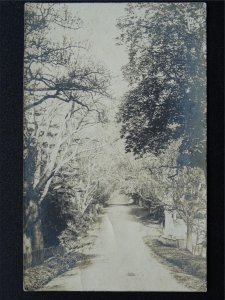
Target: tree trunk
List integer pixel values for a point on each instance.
(189, 243)
(169, 223)
(33, 232)
(27, 251)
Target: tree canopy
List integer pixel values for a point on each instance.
(64, 95)
(166, 73)
(58, 68)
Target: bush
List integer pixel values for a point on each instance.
(78, 226)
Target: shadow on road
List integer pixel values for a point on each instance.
(119, 204)
(142, 215)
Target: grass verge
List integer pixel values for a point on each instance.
(188, 269)
(36, 277)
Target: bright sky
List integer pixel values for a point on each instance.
(100, 30)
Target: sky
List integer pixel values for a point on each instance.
(99, 28)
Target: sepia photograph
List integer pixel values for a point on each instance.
(114, 147)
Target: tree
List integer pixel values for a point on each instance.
(63, 93)
(167, 76)
(53, 142)
(189, 190)
(55, 70)
(166, 103)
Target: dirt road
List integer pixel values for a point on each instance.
(121, 260)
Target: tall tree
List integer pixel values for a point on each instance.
(63, 90)
(167, 76)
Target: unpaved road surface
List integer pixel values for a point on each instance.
(121, 261)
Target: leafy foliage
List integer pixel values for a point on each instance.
(166, 72)
(190, 194)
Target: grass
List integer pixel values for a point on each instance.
(36, 277)
(186, 268)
